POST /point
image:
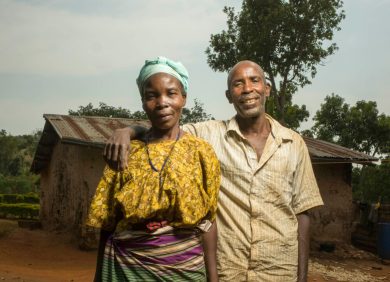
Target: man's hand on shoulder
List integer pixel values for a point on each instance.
(117, 148)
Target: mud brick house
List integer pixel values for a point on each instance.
(69, 160)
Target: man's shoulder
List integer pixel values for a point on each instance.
(205, 126)
(210, 130)
(294, 134)
(295, 137)
(197, 142)
(209, 123)
(285, 132)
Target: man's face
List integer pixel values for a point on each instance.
(247, 91)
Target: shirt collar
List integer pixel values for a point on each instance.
(279, 132)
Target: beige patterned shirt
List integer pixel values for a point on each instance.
(259, 200)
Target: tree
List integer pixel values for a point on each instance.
(9, 159)
(360, 127)
(371, 183)
(16, 154)
(330, 119)
(195, 114)
(105, 110)
(288, 38)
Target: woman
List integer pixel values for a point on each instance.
(155, 216)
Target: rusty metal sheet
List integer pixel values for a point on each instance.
(78, 130)
(322, 149)
(94, 130)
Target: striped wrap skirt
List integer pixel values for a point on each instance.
(168, 254)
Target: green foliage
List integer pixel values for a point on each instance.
(359, 127)
(287, 38)
(372, 183)
(20, 210)
(329, 120)
(31, 198)
(20, 184)
(16, 153)
(307, 133)
(293, 115)
(8, 154)
(105, 110)
(195, 114)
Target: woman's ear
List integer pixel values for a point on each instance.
(184, 100)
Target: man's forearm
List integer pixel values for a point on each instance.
(137, 131)
(303, 245)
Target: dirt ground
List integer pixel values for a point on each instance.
(39, 256)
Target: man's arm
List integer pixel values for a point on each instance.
(303, 245)
(210, 252)
(118, 146)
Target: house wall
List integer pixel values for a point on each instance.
(332, 223)
(69, 182)
(67, 186)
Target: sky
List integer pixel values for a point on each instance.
(61, 54)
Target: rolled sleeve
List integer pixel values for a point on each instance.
(306, 193)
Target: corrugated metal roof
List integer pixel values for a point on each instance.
(87, 131)
(94, 131)
(322, 151)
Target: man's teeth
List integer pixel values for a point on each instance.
(250, 101)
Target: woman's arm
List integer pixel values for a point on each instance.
(210, 252)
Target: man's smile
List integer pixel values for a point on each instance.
(249, 101)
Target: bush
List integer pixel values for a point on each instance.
(20, 210)
(371, 183)
(31, 198)
(21, 184)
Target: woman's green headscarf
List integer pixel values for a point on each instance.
(165, 65)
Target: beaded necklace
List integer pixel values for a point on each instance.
(152, 166)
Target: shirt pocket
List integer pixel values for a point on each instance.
(277, 187)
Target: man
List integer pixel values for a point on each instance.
(267, 188)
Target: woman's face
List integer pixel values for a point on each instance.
(163, 100)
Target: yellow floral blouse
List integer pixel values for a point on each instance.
(185, 192)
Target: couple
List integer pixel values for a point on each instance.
(267, 185)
